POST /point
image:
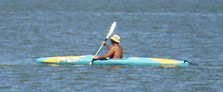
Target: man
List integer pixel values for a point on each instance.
(115, 52)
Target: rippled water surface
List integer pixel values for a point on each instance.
(185, 29)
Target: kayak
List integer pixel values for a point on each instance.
(86, 59)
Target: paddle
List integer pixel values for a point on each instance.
(108, 35)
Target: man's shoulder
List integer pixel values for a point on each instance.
(115, 47)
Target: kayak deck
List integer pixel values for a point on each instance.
(86, 59)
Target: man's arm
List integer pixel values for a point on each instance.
(106, 45)
(107, 55)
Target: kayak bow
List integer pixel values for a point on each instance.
(86, 59)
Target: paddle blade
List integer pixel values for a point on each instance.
(111, 30)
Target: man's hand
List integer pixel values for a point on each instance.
(103, 42)
(95, 57)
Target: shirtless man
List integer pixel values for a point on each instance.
(115, 52)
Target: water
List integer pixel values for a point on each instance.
(185, 29)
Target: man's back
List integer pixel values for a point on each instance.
(117, 52)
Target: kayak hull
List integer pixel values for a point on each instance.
(86, 59)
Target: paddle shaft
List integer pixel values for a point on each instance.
(99, 48)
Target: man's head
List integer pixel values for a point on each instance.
(115, 38)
